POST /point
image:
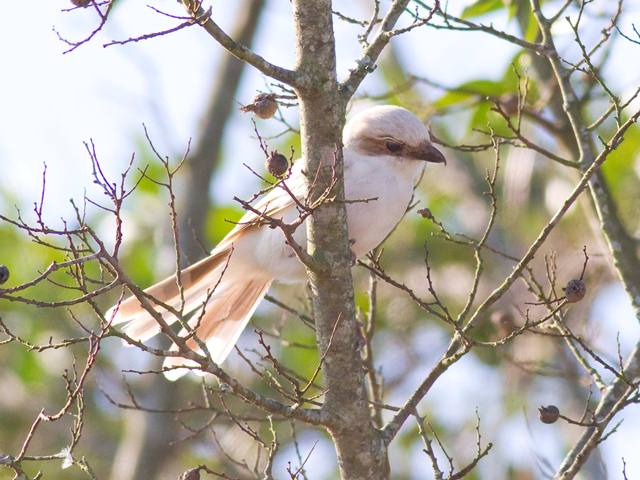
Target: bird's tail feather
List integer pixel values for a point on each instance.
(224, 302)
(222, 322)
(197, 282)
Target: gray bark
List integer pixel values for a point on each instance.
(361, 451)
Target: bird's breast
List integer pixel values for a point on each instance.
(378, 197)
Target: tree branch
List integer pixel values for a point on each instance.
(194, 7)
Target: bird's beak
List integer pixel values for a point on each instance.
(429, 153)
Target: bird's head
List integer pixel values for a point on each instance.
(390, 131)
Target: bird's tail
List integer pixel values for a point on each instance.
(223, 298)
(222, 322)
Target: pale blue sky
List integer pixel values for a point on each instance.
(52, 102)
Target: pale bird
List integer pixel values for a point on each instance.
(385, 150)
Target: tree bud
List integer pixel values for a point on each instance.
(425, 213)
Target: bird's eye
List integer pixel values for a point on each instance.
(393, 147)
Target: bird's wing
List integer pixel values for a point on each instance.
(277, 201)
(272, 204)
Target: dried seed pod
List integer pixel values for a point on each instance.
(425, 213)
(192, 474)
(509, 104)
(81, 3)
(277, 164)
(549, 414)
(264, 105)
(4, 274)
(504, 323)
(575, 290)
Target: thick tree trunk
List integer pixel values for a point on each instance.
(361, 451)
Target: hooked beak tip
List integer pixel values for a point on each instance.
(431, 154)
